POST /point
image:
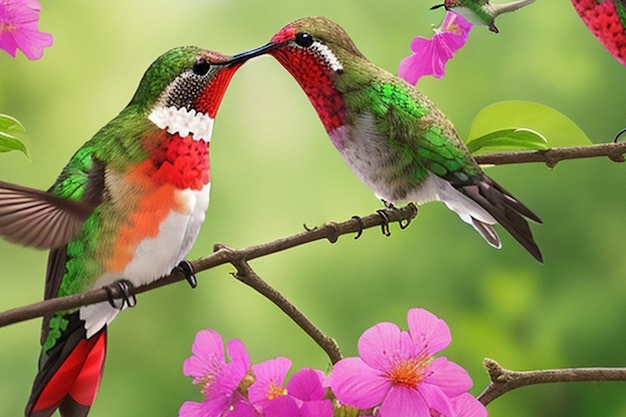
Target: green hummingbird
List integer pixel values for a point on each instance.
(126, 209)
(390, 134)
(482, 12)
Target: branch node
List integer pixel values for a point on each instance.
(333, 231)
(495, 370)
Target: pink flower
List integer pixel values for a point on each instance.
(18, 28)
(268, 385)
(430, 56)
(397, 371)
(218, 379)
(303, 396)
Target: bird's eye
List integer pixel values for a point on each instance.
(304, 39)
(201, 67)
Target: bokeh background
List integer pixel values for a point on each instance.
(273, 168)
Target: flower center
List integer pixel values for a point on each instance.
(7, 27)
(275, 390)
(409, 372)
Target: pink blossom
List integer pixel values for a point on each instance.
(303, 396)
(397, 371)
(269, 383)
(430, 56)
(18, 28)
(218, 379)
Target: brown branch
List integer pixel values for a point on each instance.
(504, 380)
(614, 151)
(247, 275)
(330, 231)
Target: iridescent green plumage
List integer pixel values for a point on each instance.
(391, 135)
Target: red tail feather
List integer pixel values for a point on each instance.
(70, 379)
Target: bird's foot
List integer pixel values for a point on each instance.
(187, 269)
(618, 134)
(360, 222)
(384, 227)
(125, 289)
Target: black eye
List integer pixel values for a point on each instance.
(304, 39)
(201, 67)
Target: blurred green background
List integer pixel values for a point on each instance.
(274, 168)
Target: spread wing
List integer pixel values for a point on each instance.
(43, 220)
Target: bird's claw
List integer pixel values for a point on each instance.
(360, 222)
(187, 270)
(618, 134)
(125, 288)
(384, 227)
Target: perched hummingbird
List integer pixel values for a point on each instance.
(392, 136)
(482, 12)
(128, 206)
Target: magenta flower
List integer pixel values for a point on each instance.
(397, 371)
(269, 379)
(430, 56)
(303, 396)
(18, 28)
(218, 379)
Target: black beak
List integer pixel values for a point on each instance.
(436, 6)
(246, 55)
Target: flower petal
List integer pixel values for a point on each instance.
(404, 402)
(282, 407)
(208, 355)
(237, 352)
(321, 408)
(307, 384)
(466, 405)
(190, 409)
(429, 333)
(437, 400)
(382, 345)
(431, 55)
(358, 385)
(270, 375)
(450, 377)
(243, 408)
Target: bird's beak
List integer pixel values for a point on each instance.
(246, 55)
(436, 6)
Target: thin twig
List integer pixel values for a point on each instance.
(614, 151)
(330, 231)
(249, 277)
(504, 380)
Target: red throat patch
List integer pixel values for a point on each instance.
(315, 79)
(209, 101)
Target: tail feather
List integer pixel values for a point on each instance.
(69, 375)
(506, 210)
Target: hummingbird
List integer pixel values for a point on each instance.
(392, 136)
(126, 209)
(482, 12)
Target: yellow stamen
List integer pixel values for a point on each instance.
(409, 372)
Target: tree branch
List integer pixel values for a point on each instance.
(330, 231)
(247, 275)
(504, 380)
(552, 156)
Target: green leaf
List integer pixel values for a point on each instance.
(551, 125)
(12, 133)
(507, 139)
